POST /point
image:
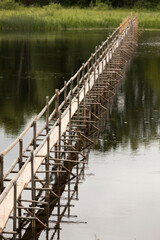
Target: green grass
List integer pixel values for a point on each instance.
(54, 17)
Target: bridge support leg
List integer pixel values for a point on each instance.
(15, 211)
(33, 196)
(1, 173)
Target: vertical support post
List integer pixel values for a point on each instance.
(88, 68)
(96, 54)
(70, 114)
(47, 114)
(33, 196)
(59, 133)
(89, 86)
(83, 71)
(90, 119)
(14, 210)
(57, 102)
(65, 92)
(94, 71)
(71, 87)
(1, 173)
(47, 183)
(77, 167)
(47, 167)
(57, 113)
(70, 143)
(99, 53)
(78, 103)
(20, 153)
(69, 197)
(98, 80)
(102, 49)
(84, 103)
(35, 134)
(59, 167)
(98, 69)
(92, 62)
(20, 166)
(58, 149)
(78, 78)
(77, 177)
(102, 69)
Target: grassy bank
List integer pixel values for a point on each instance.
(54, 17)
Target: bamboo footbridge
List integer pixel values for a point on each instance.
(56, 155)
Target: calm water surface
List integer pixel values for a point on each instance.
(120, 197)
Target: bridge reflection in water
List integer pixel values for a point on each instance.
(38, 189)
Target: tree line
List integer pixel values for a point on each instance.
(87, 3)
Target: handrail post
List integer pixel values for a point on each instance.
(14, 209)
(59, 134)
(65, 92)
(33, 194)
(78, 103)
(47, 114)
(88, 68)
(1, 173)
(84, 103)
(47, 167)
(92, 62)
(89, 87)
(59, 167)
(70, 115)
(57, 101)
(94, 71)
(83, 71)
(20, 166)
(95, 54)
(71, 87)
(78, 78)
(20, 153)
(102, 49)
(35, 134)
(102, 68)
(98, 68)
(70, 124)
(99, 53)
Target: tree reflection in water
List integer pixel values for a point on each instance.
(136, 111)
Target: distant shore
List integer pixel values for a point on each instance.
(52, 18)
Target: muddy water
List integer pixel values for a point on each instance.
(120, 197)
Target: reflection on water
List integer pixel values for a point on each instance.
(136, 112)
(120, 198)
(32, 67)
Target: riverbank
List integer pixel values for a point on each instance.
(54, 17)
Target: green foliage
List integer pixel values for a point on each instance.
(138, 4)
(8, 4)
(102, 5)
(54, 17)
(52, 6)
(143, 4)
(158, 7)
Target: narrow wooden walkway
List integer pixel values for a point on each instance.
(35, 181)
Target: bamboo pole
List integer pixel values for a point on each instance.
(1, 173)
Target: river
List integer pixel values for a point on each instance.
(120, 197)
